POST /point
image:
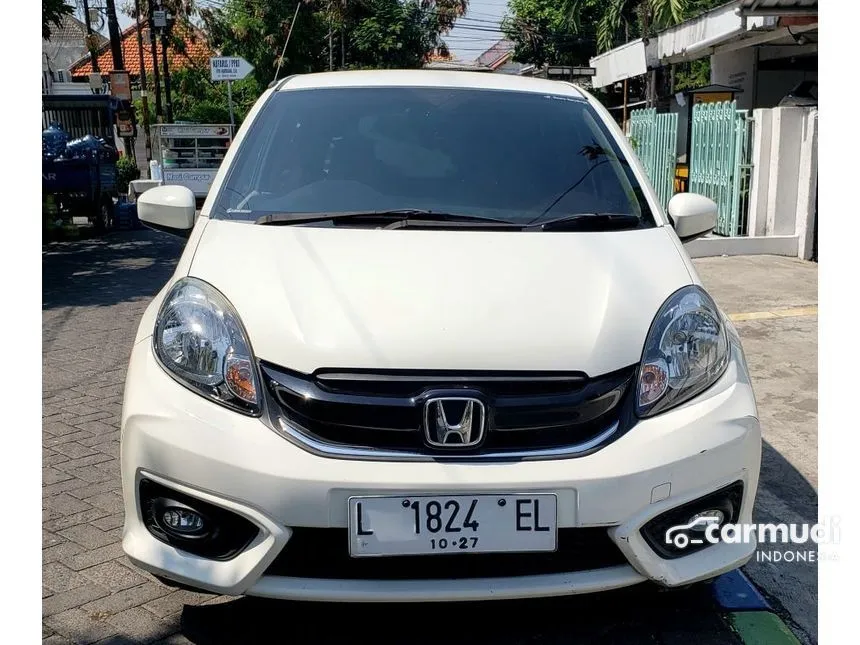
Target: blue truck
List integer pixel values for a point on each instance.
(81, 178)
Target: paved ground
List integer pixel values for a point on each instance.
(93, 295)
(782, 353)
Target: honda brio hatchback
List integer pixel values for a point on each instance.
(433, 338)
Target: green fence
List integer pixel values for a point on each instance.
(655, 136)
(719, 162)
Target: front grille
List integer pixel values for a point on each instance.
(385, 411)
(324, 553)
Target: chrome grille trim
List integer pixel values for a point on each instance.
(287, 430)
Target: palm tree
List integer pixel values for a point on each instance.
(612, 15)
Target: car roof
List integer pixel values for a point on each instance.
(430, 78)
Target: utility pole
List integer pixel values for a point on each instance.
(330, 51)
(624, 114)
(165, 35)
(116, 57)
(144, 100)
(153, 48)
(168, 103)
(94, 60)
(113, 30)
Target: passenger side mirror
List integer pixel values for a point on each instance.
(168, 208)
(692, 215)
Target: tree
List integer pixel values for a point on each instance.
(617, 20)
(198, 99)
(397, 33)
(541, 34)
(52, 14)
(257, 30)
(376, 33)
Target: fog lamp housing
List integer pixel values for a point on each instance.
(702, 520)
(193, 525)
(180, 520)
(681, 531)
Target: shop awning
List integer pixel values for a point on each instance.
(626, 61)
(739, 24)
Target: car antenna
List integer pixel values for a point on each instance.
(287, 42)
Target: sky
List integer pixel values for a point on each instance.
(472, 35)
(478, 30)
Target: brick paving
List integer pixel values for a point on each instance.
(94, 292)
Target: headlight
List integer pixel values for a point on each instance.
(686, 352)
(200, 341)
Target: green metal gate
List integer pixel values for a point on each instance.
(719, 162)
(654, 137)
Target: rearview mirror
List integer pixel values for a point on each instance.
(168, 208)
(692, 215)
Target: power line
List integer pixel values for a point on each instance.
(468, 28)
(483, 19)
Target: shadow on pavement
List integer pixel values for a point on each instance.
(794, 490)
(641, 614)
(108, 270)
(785, 496)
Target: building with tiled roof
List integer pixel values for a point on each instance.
(67, 44)
(499, 58)
(438, 55)
(195, 51)
(442, 59)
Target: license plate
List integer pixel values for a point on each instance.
(428, 525)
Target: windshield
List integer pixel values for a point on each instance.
(519, 157)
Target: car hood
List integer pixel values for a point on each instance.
(324, 297)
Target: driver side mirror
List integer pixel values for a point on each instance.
(168, 208)
(692, 215)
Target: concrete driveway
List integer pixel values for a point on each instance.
(93, 295)
(774, 303)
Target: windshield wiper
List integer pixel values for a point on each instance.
(589, 222)
(417, 218)
(397, 218)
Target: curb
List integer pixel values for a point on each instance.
(748, 613)
(761, 628)
(733, 591)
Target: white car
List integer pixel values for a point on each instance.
(432, 338)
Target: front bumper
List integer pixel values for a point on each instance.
(177, 438)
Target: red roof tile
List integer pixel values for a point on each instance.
(196, 52)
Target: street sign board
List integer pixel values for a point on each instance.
(120, 86)
(159, 19)
(563, 70)
(229, 68)
(192, 131)
(125, 126)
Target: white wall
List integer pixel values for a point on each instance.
(736, 69)
(785, 174)
(71, 89)
(683, 112)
